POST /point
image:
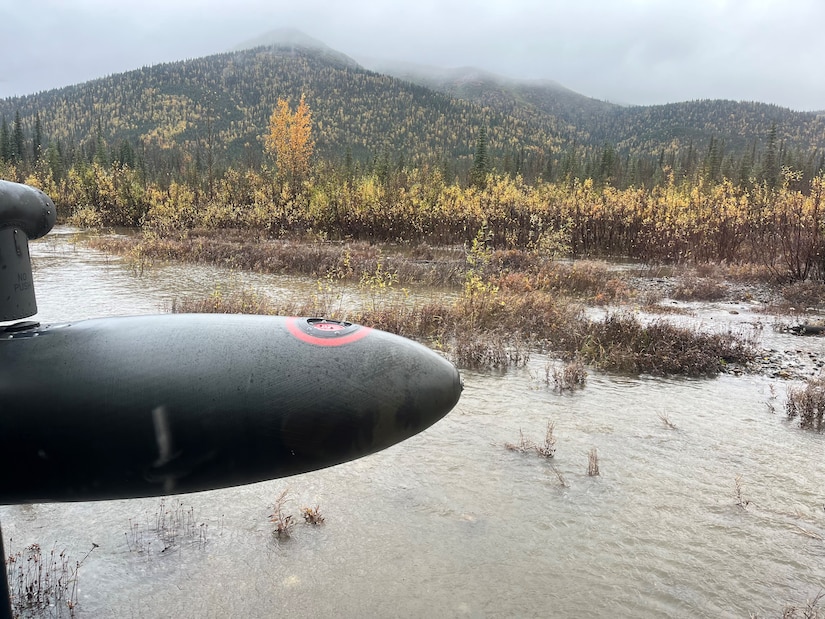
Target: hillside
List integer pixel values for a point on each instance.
(631, 129)
(225, 101)
(216, 108)
(574, 113)
(294, 41)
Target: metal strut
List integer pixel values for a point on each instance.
(5, 600)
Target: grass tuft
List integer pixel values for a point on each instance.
(172, 525)
(808, 404)
(572, 376)
(284, 523)
(43, 586)
(545, 449)
(700, 289)
(622, 343)
(522, 446)
(312, 515)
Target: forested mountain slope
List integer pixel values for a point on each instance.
(217, 108)
(223, 102)
(632, 130)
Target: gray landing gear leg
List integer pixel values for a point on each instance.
(5, 601)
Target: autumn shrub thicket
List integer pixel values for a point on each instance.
(780, 228)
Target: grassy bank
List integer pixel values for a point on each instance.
(250, 251)
(514, 270)
(490, 328)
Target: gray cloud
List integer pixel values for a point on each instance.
(637, 51)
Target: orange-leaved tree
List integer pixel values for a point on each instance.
(289, 141)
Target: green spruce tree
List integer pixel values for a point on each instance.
(481, 164)
(770, 166)
(18, 141)
(37, 138)
(5, 142)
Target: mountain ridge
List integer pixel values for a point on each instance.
(218, 106)
(293, 39)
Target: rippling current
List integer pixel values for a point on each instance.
(451, 523)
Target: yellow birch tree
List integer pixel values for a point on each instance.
(290, 142)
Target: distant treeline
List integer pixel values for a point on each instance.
(24, 150)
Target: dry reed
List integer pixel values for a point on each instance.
(284, 523)
(593, 463)
(545, 449)
(666, 420)
(171, 526)
(522, 446)
(560, 477)
(738, 492)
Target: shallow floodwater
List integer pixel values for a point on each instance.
(452, 524)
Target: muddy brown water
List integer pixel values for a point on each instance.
(451, 523)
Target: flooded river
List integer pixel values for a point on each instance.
(453, 524)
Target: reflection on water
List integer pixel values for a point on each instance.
(450, 523)
(73, 281)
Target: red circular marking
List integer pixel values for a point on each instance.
(328, 326)
(293, 327)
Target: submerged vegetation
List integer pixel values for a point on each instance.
(808, 404)
(172, 526)
(593, 463)
(43, 585)
(284, 523)
(545, 449)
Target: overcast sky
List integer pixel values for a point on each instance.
(626, 51)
